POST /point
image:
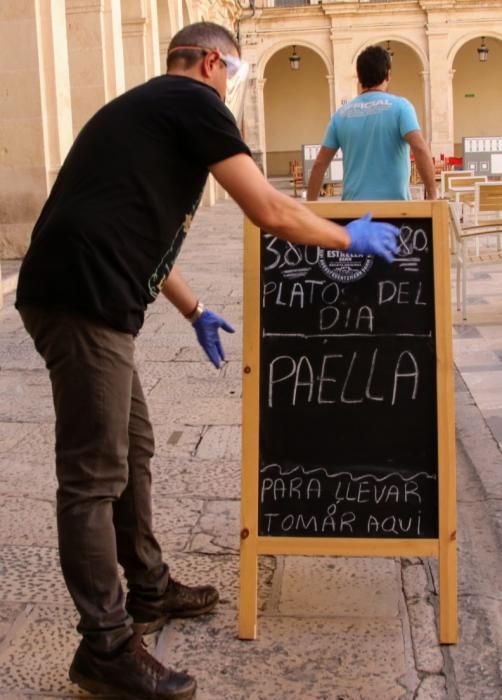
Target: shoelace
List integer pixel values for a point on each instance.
(138, 647)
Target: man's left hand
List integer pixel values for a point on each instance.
(206, 327)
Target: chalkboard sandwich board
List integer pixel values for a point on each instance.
(348, 427)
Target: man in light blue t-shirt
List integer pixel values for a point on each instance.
(375, 132)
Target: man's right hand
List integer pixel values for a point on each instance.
(373, 238)
(207, 328)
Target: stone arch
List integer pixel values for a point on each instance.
(465, 38)
(285, 43)
(476, 90)
(295, 105)
(422, 56)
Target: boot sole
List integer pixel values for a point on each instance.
(99, 688)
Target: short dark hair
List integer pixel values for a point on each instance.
(373, 66)
(204, 34)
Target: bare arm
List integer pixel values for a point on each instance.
(324, 158)
(273, 211)
(179, 293)
(423, 159)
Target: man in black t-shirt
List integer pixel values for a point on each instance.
(102, 249)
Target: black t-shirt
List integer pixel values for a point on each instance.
(124, 199)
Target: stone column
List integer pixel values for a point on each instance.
(256, 137)
(254, 110)
(96, 55)
(426, 127)
(441, 96)
(450, 112)
(167, 18)
(140, 34)
(343, 82)
(331, 88)
(177, 13)
(209, 196)
(35, 113)
(254, 117)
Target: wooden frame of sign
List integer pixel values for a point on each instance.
(368, 532)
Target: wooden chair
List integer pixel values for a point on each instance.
(487, 206)
(439, 168)
(445, 193)
(462, 189)
(463, 235)
(488, 202)
(447, 175)
(415, 178)
(296, 177)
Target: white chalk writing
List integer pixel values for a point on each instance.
(341, 377)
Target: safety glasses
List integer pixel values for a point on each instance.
(233, 64)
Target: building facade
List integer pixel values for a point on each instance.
(436, 64)
(60, 60)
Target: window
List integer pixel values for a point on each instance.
(291, 3)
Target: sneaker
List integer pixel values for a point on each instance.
(150, 614)
(132, 673)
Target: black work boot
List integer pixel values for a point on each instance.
(131, 673)
(177, 601)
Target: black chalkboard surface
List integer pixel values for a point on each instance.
(348, 421)
(348, 403)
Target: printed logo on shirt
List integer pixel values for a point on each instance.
(340, 266)
(365, 109)
(156, 281)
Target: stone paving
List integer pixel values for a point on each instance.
(329, 628)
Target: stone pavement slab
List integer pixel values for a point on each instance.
(30, 476)
(41, 645)
(341, 587)
(31, 575)
(196, 411)
(220, 442)
(218, 528)
(317, 658)
(196, 477)
(175, 520)
(28, 521)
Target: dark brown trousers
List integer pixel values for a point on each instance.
(104, 442)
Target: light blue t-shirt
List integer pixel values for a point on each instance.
(376, 159)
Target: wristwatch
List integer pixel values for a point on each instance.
(196, 313)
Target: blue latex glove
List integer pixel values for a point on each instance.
(206, 328)
(373, 238)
